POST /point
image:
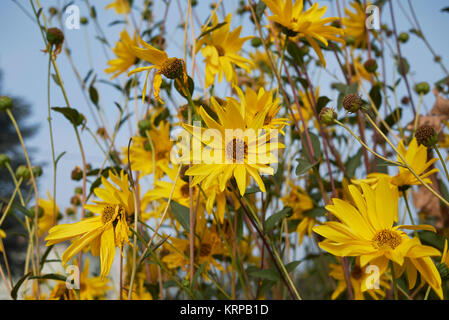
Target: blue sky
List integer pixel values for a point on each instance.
(24, 69)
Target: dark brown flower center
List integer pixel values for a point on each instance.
(357, 272)
(387, 238)
(220, 50)
(205, 249)
(237, 150)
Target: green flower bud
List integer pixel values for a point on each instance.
(78, 190)
(422, 88)
(327, 116)
(37, 171)
(83, 20)
(77, 174)
(403, 37)
(69, 212)
(256, 42)
(23, 172)
(5, 103)
(144, 125)
(4, 159)
(350, 40)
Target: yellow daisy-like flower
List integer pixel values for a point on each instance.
(120, 6)
(172, 68)
(91, 288)
(103, 232)
(262, 101)
(355, 24)
(359, 277)
(416, 157)
(240, 154)
(221, 51)
(300, 202)
(125, 56)
(367, 231)
(45, 222)
(139, 293)
(162, 189)
(141, 154)
(308, 24)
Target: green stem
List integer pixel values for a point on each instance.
(51, 137)
(395, 288)
(409, 211)
(442, 161)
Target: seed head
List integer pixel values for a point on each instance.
(426, 135)
(327, 116)
(352, 102)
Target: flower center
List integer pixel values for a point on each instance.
(172, 68)
(221, 51)
(237, 150)
(387, 238)
(185, 190)
(356, 272)
(109, 211)
(205, 249)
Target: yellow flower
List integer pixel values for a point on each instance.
(103, 232)
(162, 189)
(300, 202)
(2, 236)
(355, 24)
(220, 49)
(91, 288)
(172, 68)
(259, 102)
(125, 56)
(308, 24)
(139, 293)
(359, 72)
(359, 277)
(141, 154)
(120, 6)
(207, 245)
(367, 231)
(445, 256)
(416, 157)
(239, 155)
(46, 221)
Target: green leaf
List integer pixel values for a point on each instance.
(316, 145)
(70, 114)
(55, 79)
(268, 274)
(432, 239)
(50, 276)
(353, 163)
(322, 102)
(391, 119)
(315, 212)
(44, 256)
(290, 267)
(179, 86)
(251, 190)
(445, 9)
(16, 288)
(197, 274)
(376, 96)
(304, 166)
(181, 213)
(93, 94)
(272, 220)
(60, 156)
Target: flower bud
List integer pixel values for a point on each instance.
(403, 37)
(144, 126)
(352, 102)
(37, 171)
(349, 40)
(327, 116)
(75, 201)
(69, 212)
(55, 36)
(5, 103)
(83, 20)
(23, 172)
(4, 159)
(426, 135)
(422, 88)
(370, 65)
(77, 174)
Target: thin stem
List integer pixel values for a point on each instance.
(442, 161)
(404, 193)
(395, 288)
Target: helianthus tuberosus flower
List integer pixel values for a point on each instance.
(220, 48)
(367, 230)
(355, 24)
(172, 68)
(50, 209)
(103, 232)
(308, 24)
(120, 6)
(125, 56)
